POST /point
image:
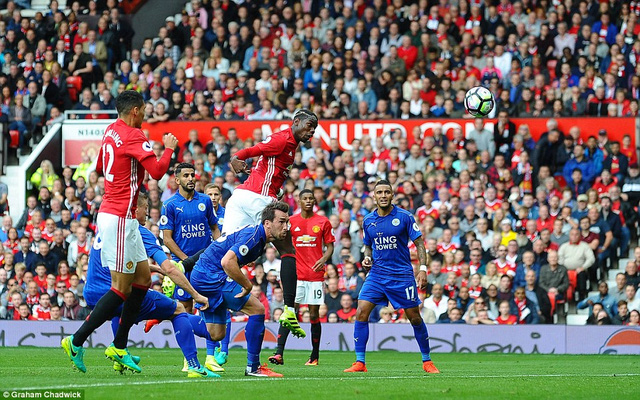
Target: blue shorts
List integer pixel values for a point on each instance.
(154, 306)
(221, 300)
(180, 294)
(400, 293)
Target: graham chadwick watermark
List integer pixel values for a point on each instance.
(43, 394)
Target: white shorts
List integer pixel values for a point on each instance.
(244, 208)
(311, 293)
(122, 247)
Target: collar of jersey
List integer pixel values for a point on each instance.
(394, 211)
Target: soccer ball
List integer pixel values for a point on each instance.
(479, 101)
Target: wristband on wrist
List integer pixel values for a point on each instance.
(423, 268)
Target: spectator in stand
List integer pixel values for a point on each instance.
(576, 255)
(554, 279)
(603, 298)
(346, 313)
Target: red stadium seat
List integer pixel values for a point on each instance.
(551, 67)
(573, 283)
(74, 86)
(14, 139)
(561, 181)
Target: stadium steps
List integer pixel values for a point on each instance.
(584, 311)
(577, 319)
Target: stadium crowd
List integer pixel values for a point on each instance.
(514, 227)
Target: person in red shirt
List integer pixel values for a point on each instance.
(605, 182)
(42, 310)
(36, 222)
(125, 155)
(408, 52)
(24, 313)
(313, 240)
(544, 221)
(505, 317)
(275, 159)
(347, 313)
(41, 277)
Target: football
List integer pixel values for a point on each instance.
(479, 101)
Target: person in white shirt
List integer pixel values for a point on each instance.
(437, 302)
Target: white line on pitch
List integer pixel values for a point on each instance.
(346, 378)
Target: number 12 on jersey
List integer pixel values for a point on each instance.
(107, 160)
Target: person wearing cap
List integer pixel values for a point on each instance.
(506, 232)
(581, 162)
(581, 208)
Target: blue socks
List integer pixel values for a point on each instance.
(199, 326)
(254, 332)
(211, 347)
(360, 338)
(186, 340)
(422, 337)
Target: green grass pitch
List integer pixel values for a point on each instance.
(391, 375)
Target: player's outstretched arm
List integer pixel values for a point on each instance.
(232, 269)
(423, 258)
(178, 277)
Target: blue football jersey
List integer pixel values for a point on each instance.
(99, 277)
(220, 215)
(190, 221)
(248, 244)
(389, 238)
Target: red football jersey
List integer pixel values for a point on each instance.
(124, 150)
(309, 235)
(271, 170)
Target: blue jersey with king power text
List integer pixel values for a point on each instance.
(190, 221)
(99, 277)
(389, 238)
(248, 244)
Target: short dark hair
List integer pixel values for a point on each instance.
(127, 100)
(382, 182)
(183, 165)
(303, 115)
(305, 191)
(269, 212)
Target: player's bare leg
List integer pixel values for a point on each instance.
(139, 284)
(361, 335)
(422, 337)
(289, 279)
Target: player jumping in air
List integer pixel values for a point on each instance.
(276, 154)
(218, 276)
(155, 305)
(386, 235)
(189, 224)
(311, 233)
(124, 156)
